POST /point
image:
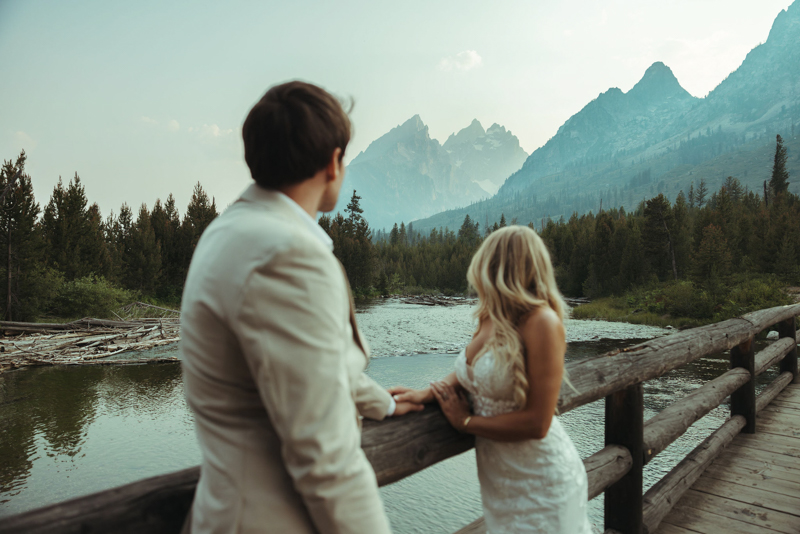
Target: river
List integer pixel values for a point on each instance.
(70, 431)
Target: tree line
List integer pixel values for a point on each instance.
(66, 258)
(55, 260)
(702, 241)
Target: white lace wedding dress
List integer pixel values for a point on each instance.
(536, 485)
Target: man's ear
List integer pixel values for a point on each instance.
(334, 166)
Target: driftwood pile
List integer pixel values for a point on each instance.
(577, 301)
(89, 341)
(428, 300)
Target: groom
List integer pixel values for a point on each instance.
(272, 357)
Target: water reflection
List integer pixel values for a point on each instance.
(46, 414)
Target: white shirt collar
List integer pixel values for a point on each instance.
(309, 221)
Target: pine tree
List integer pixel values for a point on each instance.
(467, 233)
(67, 228)
(656, 234)
(700, 194)
(199, 214)
(786, 261)
(353, 209)
(144, 256)
(713, 259)
(27, 285)
(779, 183)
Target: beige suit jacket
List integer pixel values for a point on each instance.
(273, 371)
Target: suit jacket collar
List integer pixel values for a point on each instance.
(281, 203)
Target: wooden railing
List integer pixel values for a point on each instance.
(400, 447)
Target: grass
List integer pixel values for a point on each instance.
(615, 309)
(686, 304)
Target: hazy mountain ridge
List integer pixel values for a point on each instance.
(487, 157)
(627, 146)
(405, 174)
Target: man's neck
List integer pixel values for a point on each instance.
(307, 195)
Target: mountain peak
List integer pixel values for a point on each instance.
(414, 124)
(467, 135)
(657, 84)
(786, 25)
(411, 128)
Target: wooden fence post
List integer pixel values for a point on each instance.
(743, 400)
(624, 426)
(788, 328)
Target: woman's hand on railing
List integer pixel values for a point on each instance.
(454, 403)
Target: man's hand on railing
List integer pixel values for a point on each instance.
(415, 396)
(402, 408)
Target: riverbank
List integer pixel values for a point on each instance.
(685, 304)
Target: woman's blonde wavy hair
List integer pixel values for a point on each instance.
(513, 275)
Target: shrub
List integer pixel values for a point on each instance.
(90, 296)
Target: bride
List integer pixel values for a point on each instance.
(532, 479)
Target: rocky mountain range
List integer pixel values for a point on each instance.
(406, 175)
(626, 146)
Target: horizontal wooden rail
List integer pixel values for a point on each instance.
(400, 447)
(772, 391)
(773, 354)
(669, 424)
(598, 377)
(660, 499)
(674, 420)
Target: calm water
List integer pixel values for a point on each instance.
(69, 431)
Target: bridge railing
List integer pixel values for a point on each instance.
(401, 447)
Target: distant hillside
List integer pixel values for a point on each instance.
(405, 174)
(622, 147)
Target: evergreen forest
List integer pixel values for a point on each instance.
(706, 256)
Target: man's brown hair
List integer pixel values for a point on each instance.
(291, 133)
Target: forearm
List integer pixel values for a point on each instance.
(514, 426)
(450, 380)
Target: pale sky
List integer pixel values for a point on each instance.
(148, 97)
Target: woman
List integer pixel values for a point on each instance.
(532, 479)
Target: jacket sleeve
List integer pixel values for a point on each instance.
(372, 400)
(292, 328)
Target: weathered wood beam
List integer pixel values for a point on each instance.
(773, 390)
(788, 329)
(660, 499)
(743, 400)
(595, 378)
(774, 353)
(669, 424)
(624, 420)
(400, 447)
(81, 324)
(156, 505)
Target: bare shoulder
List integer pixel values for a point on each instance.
(543, 322)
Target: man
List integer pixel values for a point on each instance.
(273, 360)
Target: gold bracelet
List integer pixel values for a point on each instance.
(466, 421)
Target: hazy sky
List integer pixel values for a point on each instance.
(148, 97)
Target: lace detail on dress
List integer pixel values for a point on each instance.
(536, 485)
